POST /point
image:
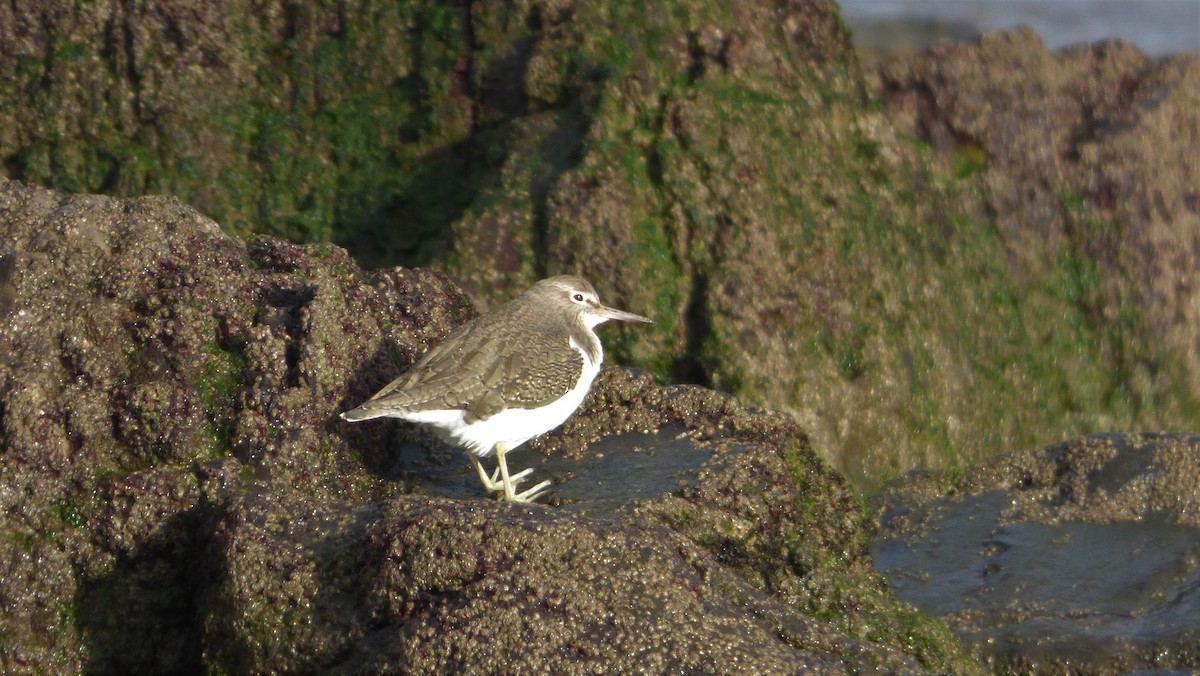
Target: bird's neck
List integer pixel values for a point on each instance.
(585, 339)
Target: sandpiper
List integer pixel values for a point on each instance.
(513, 373)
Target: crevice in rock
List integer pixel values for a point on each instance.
(286, 321)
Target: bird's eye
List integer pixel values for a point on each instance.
(578, 298)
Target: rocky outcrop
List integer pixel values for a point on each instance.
(149, 363)
(177, 494)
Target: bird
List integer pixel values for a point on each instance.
(511, 374)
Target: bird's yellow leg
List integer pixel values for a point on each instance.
(493, 483)
(508, 481)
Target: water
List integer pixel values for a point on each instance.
(612, 471)
(1157, 27)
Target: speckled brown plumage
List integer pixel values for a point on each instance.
(522, 361)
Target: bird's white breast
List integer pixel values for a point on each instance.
(513, 426)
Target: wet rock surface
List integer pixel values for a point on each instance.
(1085, 553)
(177, 494)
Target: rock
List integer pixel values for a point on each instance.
(1086, 161)
(1080, 556)
(177, 494)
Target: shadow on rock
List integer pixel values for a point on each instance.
(140, 617)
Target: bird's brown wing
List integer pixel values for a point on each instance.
(453, 376)
(526, 378)
(441, 378)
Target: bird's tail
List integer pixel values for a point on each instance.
(361, 413)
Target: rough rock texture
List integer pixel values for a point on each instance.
(1091, 168)
(1104, 478)
(151, 363)
(177, 496)
(1083, 553)
(981, 248)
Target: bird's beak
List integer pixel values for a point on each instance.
(622, 316)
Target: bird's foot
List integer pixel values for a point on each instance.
(526, 496)
(507, 481)
(495, 482)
